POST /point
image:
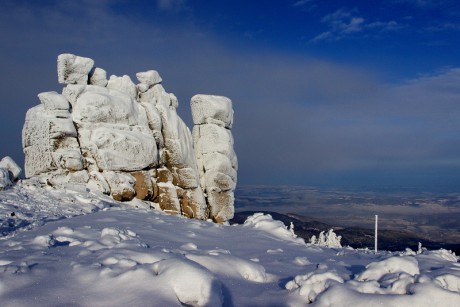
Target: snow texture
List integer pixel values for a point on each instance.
(115, 136)
(62, 247)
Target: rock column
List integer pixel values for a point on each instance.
(217, 163)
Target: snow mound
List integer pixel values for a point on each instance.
(265, 223)
(393, 265)
(229, 265)
(192, 284)
(313, 284)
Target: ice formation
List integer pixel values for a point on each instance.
(128, 141)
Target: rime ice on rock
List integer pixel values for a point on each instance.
(98, 76)
(213, 119)
(128, 141)
(9, 172)
(73, 69)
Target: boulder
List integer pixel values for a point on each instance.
(13, 169)
(5, 180)
(73, 69)
(149, 78)
(98, 76)
(53, 101)
(123, 84)
(210, 109)
(121, 185)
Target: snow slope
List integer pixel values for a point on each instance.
(75, 248)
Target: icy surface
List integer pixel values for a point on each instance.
(73, 247)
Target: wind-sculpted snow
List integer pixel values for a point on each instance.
(95, 251)
(127, 140)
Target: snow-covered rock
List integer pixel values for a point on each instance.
(11, 166)
(73, 69)
(128, 141)
(5, 180)
(213, 119)
(98, 76)
(123, 84)
(54, 101)
(149, 78)
(210, 109)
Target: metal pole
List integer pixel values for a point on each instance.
(376, 229)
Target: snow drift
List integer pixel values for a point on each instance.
(77, 248)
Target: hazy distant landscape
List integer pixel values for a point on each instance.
(433, 216)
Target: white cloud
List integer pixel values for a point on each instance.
(171, 5)
(344, 23)
(300, 3)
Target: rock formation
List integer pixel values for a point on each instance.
(213, 119)
(127, 140)
(9, 172)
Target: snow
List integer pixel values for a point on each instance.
(75, 247)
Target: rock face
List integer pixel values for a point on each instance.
(127, 140)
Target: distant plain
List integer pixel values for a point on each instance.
(433, 216)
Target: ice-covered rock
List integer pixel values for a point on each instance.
(98, 76)
(213, 119)
(13, 169)
(54, 101)
(128, 141)
(210, 109)
(73, 69)
(5, 180)
(149, 78)
(123, 84)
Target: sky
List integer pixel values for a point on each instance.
(336, 93)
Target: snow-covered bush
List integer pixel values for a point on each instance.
(328, 239)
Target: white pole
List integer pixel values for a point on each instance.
(376, 228)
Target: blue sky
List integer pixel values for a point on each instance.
(324, 92)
